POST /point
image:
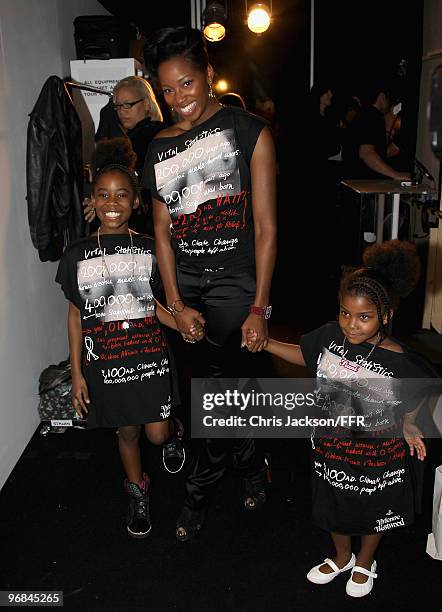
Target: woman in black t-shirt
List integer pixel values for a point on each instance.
(212, 177)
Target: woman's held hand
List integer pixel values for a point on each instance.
(190, 324)
(255, 333)
(88, 210)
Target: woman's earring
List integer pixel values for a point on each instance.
(211, 94)
(171, 108)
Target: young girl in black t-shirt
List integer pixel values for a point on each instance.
(122, 375)
(364, 483)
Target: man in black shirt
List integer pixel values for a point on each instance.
(365, 152)
(365, 156)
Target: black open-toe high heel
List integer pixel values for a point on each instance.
(189, 524)
(255, 490)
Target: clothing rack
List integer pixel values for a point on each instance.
(68, 84)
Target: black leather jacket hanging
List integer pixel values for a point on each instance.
(54, 172)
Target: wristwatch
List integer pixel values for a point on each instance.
(264, 312)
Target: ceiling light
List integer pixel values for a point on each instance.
(259, 17)
(214, 22)
(222, 85)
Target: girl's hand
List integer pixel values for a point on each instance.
(413, 437)
(254, 333)
(80, 396)
(190, 324)
(197, 332)
(251, 337)
(89, 210)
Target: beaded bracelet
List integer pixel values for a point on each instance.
(173, 309)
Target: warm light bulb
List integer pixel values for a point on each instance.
(214, 32)
(258, 19)
(222, 85)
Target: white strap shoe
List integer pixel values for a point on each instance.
(318, 577)
(354, 589)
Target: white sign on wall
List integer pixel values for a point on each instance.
(103, 74)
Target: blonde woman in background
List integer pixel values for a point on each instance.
(134, 113)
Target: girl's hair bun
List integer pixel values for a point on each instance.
(397, 262)
(113, 151)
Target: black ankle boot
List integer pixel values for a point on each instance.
(138, 518)
(255, 490)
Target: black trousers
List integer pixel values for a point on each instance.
(223, 297)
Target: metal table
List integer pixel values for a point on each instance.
(381, 188)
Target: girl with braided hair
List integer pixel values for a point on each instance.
(122, 373)
(365, 481)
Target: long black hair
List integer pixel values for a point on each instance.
(172, 42)
(391, 271)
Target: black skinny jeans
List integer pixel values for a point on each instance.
(223, 297)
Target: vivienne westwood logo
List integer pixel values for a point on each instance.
(349, 365)
(165, 411)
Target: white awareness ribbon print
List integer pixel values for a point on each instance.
(89, 343)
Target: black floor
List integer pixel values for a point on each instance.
(61, 529)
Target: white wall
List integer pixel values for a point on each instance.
(36, 41)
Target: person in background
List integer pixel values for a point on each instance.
(365, 154)
(265, 108)
(139, 119)
(398, 150)
(232, 99)
(319, 212)
(323, 140)
(352, 109)
(139, 114)
(349, 111)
